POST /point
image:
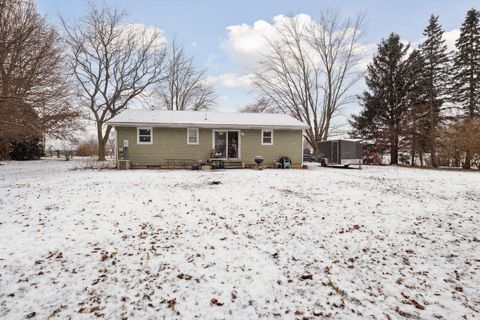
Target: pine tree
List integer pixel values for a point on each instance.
(385, 105)
(416, 121)
(366, 124)
(436, 60)
(466, 86)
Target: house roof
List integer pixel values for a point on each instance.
(202, 119)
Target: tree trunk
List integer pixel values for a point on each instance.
(433, 149)
(101, 147)
(412, 156)
(102, 141)
(101, 150)
(316, 150)
(420, 156)
(456, 159)
(394, 147)
(433, 155)
(394, 155)
(468, 159)
(412, 153)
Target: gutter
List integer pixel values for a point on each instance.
(207, 126)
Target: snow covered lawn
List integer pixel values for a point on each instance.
(381, 243)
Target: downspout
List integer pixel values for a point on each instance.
(115, 144)
(301, 149)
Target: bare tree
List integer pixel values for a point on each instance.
(458, 138)
(260, 105)
(309, 68)
(185, 88)
(34, 88)
(113, 64)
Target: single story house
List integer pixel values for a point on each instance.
(158, 138)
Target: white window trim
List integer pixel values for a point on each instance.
(138, 135)
(188, 136)
(261, 137)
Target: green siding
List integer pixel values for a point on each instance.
(171, 143)
(285, 143)
(168, 143)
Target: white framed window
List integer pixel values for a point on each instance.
(144, 135)
(267, 137)
(192, 136)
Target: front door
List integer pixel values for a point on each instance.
(226, 144)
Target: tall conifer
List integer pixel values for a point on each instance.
(417, 127)
(385, 105)
(466, 62)
(436, 61)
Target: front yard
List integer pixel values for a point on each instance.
(380, 243)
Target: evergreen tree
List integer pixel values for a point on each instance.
(365, 124)
(466, 86)
(385, 105)
(436, 60)
(417, 129)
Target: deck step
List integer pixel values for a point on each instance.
(233, 165)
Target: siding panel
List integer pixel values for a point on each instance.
(171, 143)
(285, 143)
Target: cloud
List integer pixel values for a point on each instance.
(450, 38)
(246, 43)
(233, 80)
(148, 31)
(367, 52)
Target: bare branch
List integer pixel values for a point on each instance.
(310, 68)
(185, 87)
(113, 64)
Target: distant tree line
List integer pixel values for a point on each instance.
(95, 69)
(427, 100)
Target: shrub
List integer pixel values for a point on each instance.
(28, 149)
(84, 149)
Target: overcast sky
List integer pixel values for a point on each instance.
(223, 35)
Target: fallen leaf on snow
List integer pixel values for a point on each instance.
(306, 276)
(216, 302)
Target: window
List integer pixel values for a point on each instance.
(144, 135)
(192, 135)
(267, 137)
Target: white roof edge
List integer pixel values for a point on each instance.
(206, 126)
(201, 119)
